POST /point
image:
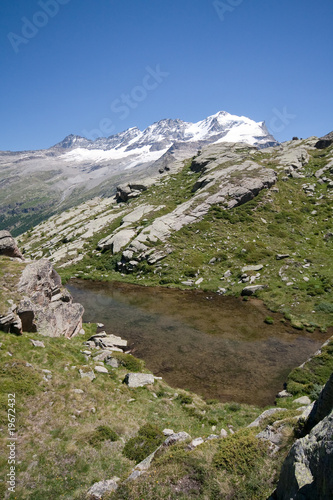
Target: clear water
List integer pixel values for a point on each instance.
(218, 347)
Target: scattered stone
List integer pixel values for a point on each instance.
(283, 394)
(212, 436)
(97, 490)
(37, 343)
(113, 362)
(227, 274)
(272, 434)
(280, 256)
(304, 400)
(78, 391)
(87, 374)
(194, 443)
(252, 268)
(252, 289)
(200, 280)
(176, 438)
(168, 432)
(101, 369)
(223, 433)
(265, 414)
(138, 379)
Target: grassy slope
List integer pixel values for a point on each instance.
(55, 425)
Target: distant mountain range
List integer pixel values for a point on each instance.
(36, 184)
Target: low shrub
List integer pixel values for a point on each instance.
(184, 399)
(239, 453)
(141, 446)
(131, 363)
(102, 433)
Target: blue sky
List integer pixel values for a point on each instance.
(97, 67)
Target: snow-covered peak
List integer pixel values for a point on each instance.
(151, 143)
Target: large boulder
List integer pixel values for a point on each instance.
(8, 245)
(324, 141)
(307, 471)
(139, 379)
(322, 407)
(46, 307)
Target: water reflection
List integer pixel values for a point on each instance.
(216, 346)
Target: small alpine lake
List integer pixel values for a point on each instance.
(218, 347)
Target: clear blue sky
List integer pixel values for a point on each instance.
(266, 59)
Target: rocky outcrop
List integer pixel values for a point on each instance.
(46, 307)
(8, 246)
(325, 141)
(307, 471)
(126, 192)
(322, 407)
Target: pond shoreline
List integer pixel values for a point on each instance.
(216, 346)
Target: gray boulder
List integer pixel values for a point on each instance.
(324, 141)
(138, 379)
(46, 307)
(8, 246)
(322, 407)
(252, 289)
(306, 473)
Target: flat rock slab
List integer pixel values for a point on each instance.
(138, 379)
(251, 290)
(252, 268)
(101, 369)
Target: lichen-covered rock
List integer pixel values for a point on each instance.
(8, 245)
(306, 473)
(46, 307)
(322, 407)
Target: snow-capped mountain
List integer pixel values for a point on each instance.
(38, 183)
(156, 139)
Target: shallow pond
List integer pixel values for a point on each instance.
(219, 347)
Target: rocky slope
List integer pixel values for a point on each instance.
(35, 184)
